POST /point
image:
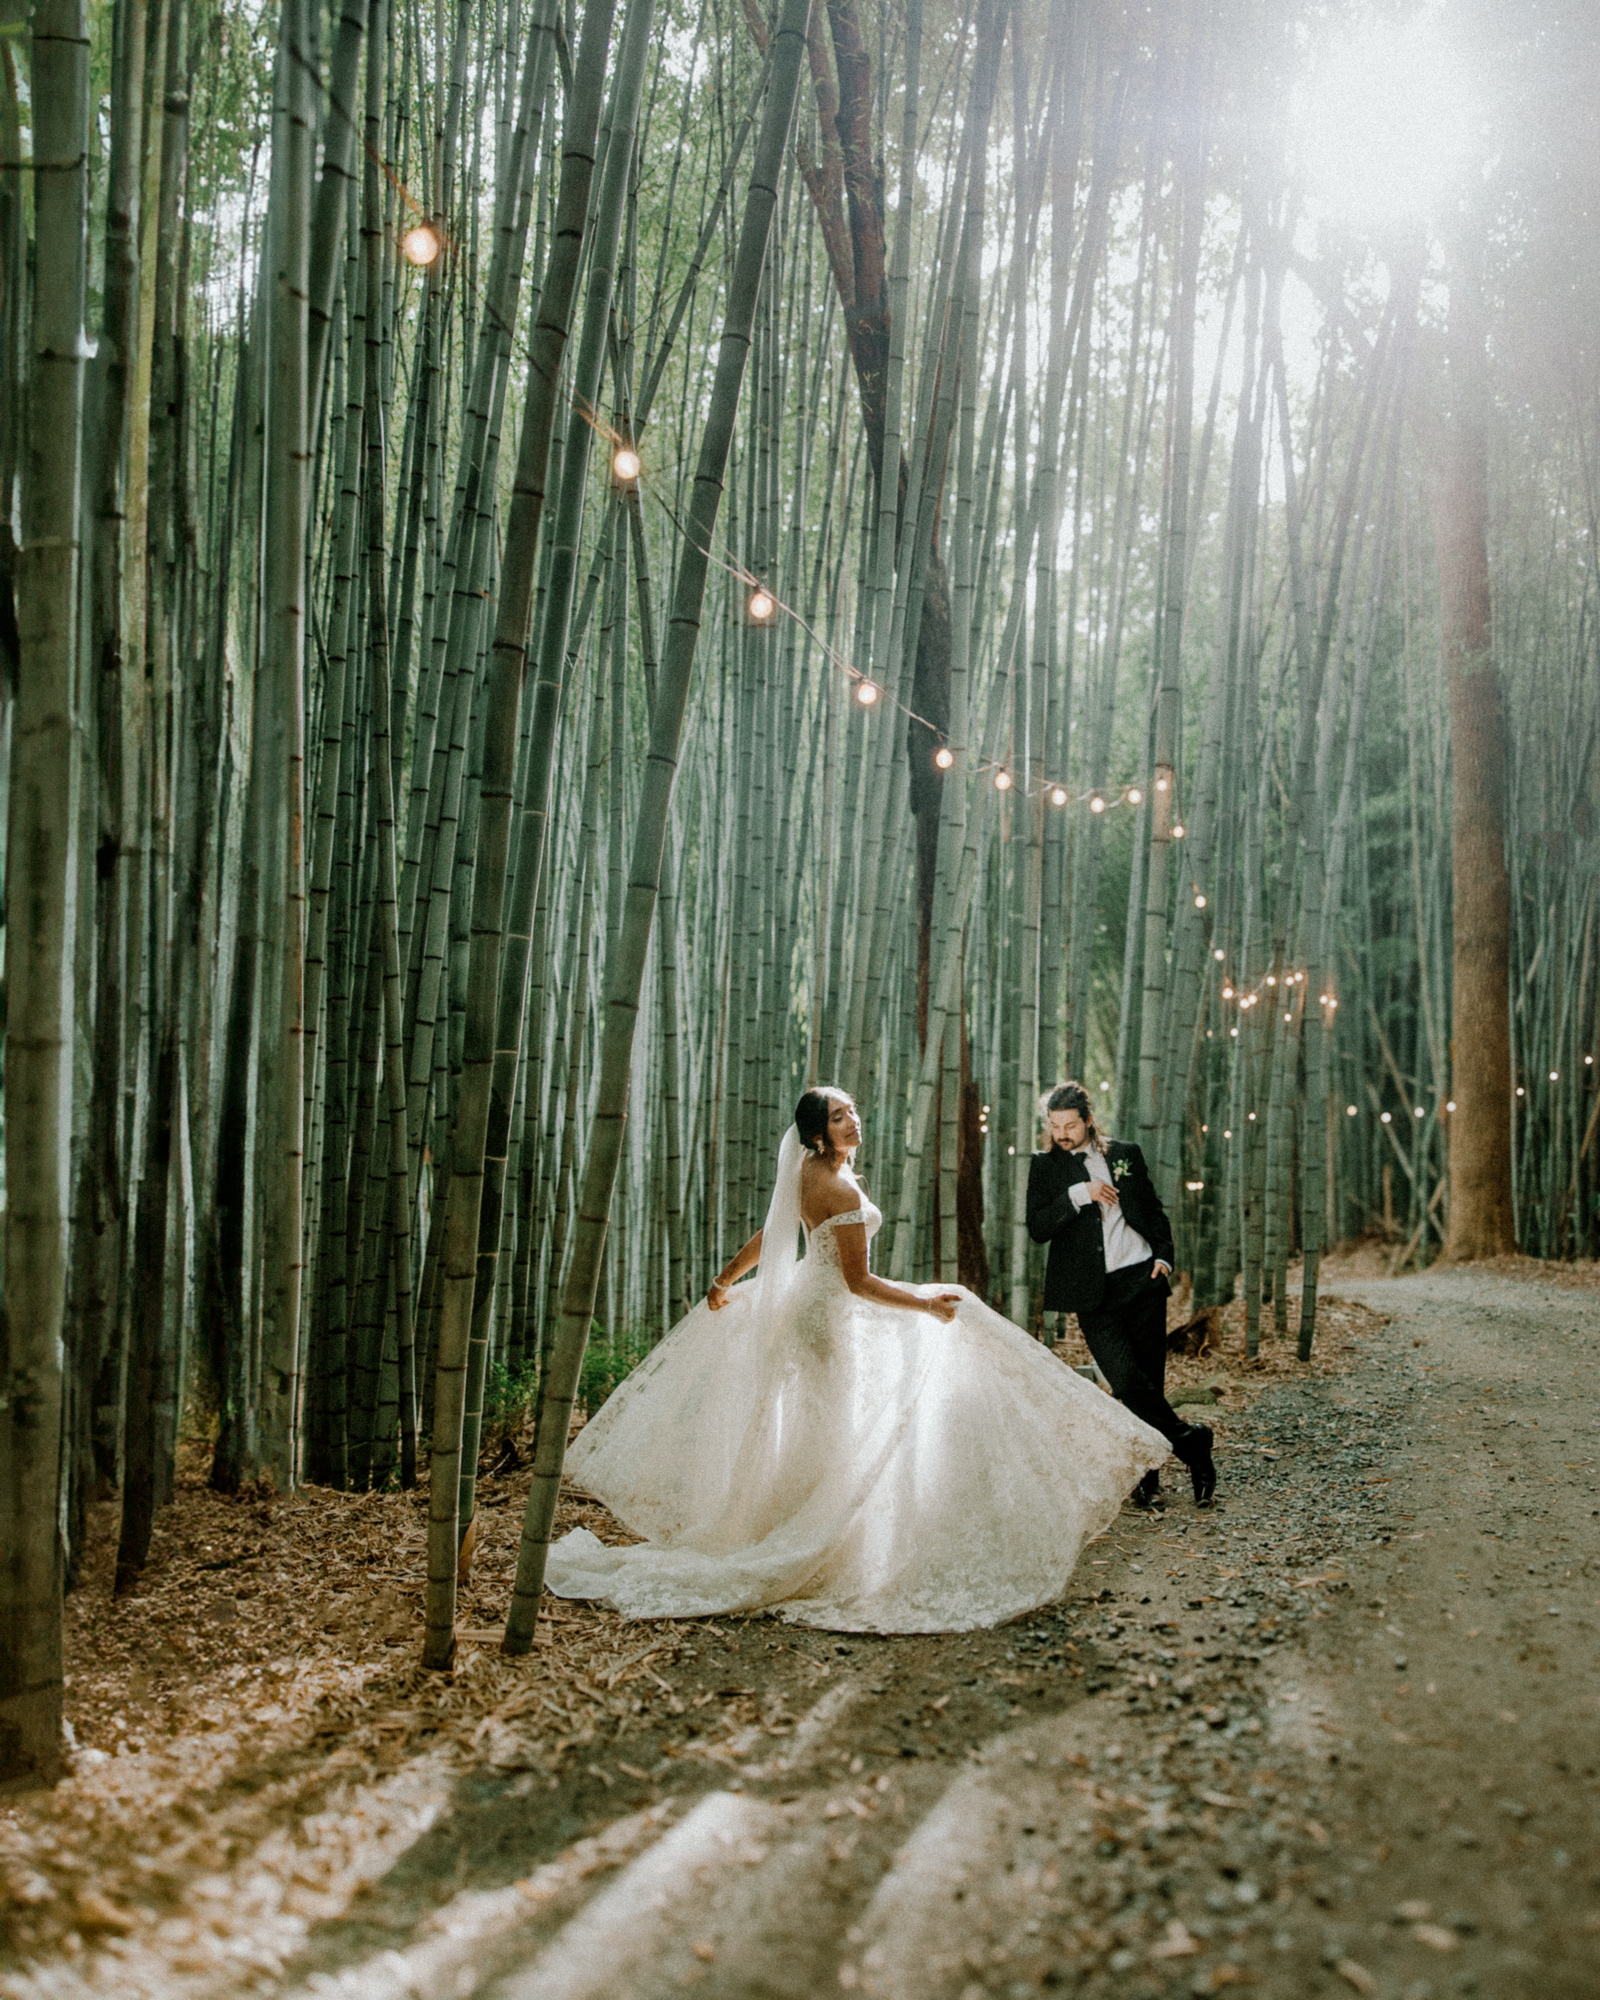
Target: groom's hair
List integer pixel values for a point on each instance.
(1070, 1096)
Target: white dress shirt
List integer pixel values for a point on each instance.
(1124, 1244)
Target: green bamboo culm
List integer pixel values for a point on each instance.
(41, 863)
(625, 973)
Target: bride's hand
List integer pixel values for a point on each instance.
(943, 1305)
(717, 1296)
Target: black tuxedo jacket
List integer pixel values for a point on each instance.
(1075, 1272)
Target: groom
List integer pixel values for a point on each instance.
(1092, 1200)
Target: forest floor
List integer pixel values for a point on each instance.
(1339, 1735)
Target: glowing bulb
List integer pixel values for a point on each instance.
(1288, 1017)
(1227, 1135)
(1387, 1120)
(1331, 1001)
(1097, 804)
(1057, 796)
(944, 757)
(1227, 992)
(625, 464)
(1520, 1091)
(760, 605)
(1420, 1112)
(1105, 1086)
(1177, 833)
(1555, 1076)
(1272, 979)
(1451, 1105)
(1251, 1116)
(1161, 784)
(1194, 1186)
(1588, 1059)
(1350, 1111)
(420, 245)
(1199, 902)
(1234, 1032)
(1217, 955)
(1135, 796)
(866, 693)
(1002, 783)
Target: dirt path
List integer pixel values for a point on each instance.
(1338, 1736)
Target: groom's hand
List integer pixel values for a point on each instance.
(1159, 1270)
(1104, 1193)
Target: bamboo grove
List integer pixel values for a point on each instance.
(566, 570)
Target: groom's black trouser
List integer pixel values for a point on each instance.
(1127, 1335)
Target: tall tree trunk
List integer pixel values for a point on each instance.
(41, 875)
(1481, 1220)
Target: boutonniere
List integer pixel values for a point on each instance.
(1120, 1170)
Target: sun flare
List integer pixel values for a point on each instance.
(1387, 122)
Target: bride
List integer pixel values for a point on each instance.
(861, 1455)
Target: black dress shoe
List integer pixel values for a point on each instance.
(1202, 1470)
(1147, 1494)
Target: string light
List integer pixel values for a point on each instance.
(1177, 833)
(1555, 1076)
(867, 693)
(1199, 902)
(1350, 1111)
(761, 608)
(1217, 955)
(1387, 1120)
(1251, 1116)
(1058, 797)
(1194, 1187)
(1227, 1135)
(421, 244)
(1520, 1091)
(1227, 991)
(1451, 1105)
(1588, 1060)
(1105, 1086)
(1272, 979)
(1098, 804)
(944, 756)
(1135, 796)
(625, 467)
(1002, 781)
(1288, 1017)
(1420, 1112)
(1161, 784)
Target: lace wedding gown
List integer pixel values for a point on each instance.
(857, 1466)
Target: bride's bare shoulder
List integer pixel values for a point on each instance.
(824, 1193)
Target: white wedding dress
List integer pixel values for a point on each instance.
(857, 1466)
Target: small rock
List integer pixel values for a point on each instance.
(1435, 1936)
(1356, 1975)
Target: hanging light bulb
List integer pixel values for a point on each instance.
(1217, 955)
(421, 244)
(625, 466)
(1227, 992)
(866, 693)
(1161, 784)
(1555, 1076)
(1097, 804)
(761, 607)
(1057, 796)
(944, 757)
(1135, 796)
(1350, 1111)
(1002, 783)
(1451, 1105)
(1199, 902)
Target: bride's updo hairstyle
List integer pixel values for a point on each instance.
(1072, 1096)
(812, 1113)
